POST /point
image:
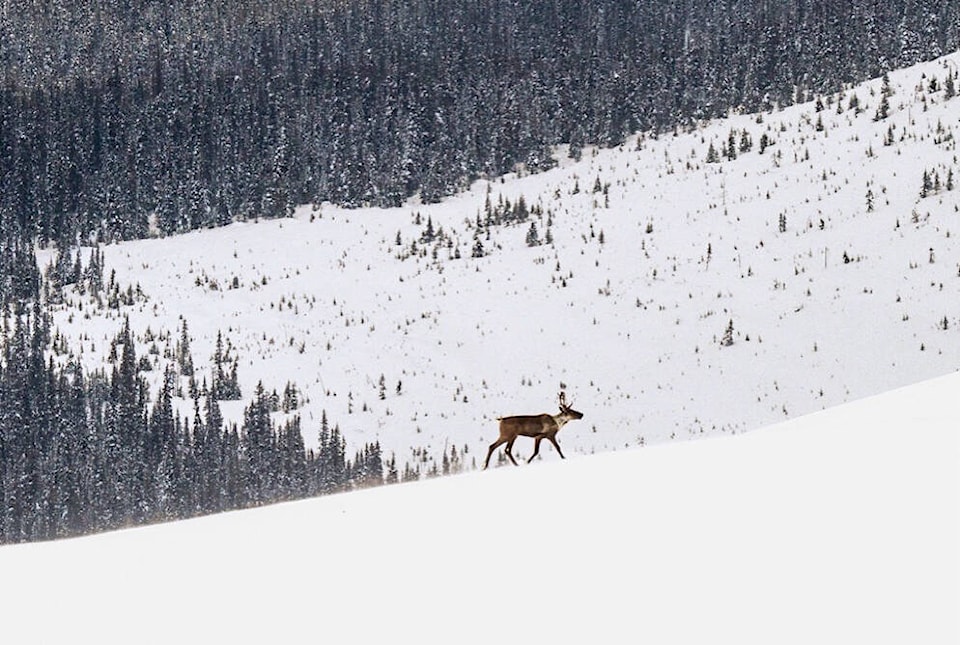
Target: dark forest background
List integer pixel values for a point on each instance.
(121, 119)
(204, 112)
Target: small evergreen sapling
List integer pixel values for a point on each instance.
(883, 110)
(533, 238)
(727, 339)
(712, 156)
(765, 142)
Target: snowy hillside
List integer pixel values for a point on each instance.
(839, 527)
(678, 298)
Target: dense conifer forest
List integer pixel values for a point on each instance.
(119, 119)
(126, 119)
(90, 452)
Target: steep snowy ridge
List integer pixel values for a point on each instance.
(835, 279)
(837, 527)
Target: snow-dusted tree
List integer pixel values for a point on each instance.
(224, 385)
(765, 142)
(184, 357)
(392, 477)
(533, 238)
(926, 186)
(727, 339)
(730, 150)
(886, 91)
(714, 157)
(291, 398)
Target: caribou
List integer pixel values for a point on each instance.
(540, 427)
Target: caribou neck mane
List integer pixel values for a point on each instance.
(562, 418)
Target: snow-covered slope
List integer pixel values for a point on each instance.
(838, 279)
(838, 527)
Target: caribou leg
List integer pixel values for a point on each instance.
(493, 446)
(509, 452)
(536, 448)
(556, 445)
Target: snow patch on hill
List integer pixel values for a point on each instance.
(678, 299)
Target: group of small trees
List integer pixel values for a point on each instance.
(500, 213)
(68, 270)
(81, 452)
(735, 144)
(932, 184)
(505, 213)
(224, 385)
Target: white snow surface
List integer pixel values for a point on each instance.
(632, 327)
(838, 527)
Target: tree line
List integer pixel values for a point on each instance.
(87, 452)
(125, 119)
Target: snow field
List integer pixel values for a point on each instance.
(837, 527)
(843, 303)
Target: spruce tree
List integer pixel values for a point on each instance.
(727, 339)
(883, 110)
(533, 238)
(764, 142)
(184, 358)
(712, 156)
(927, 185)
